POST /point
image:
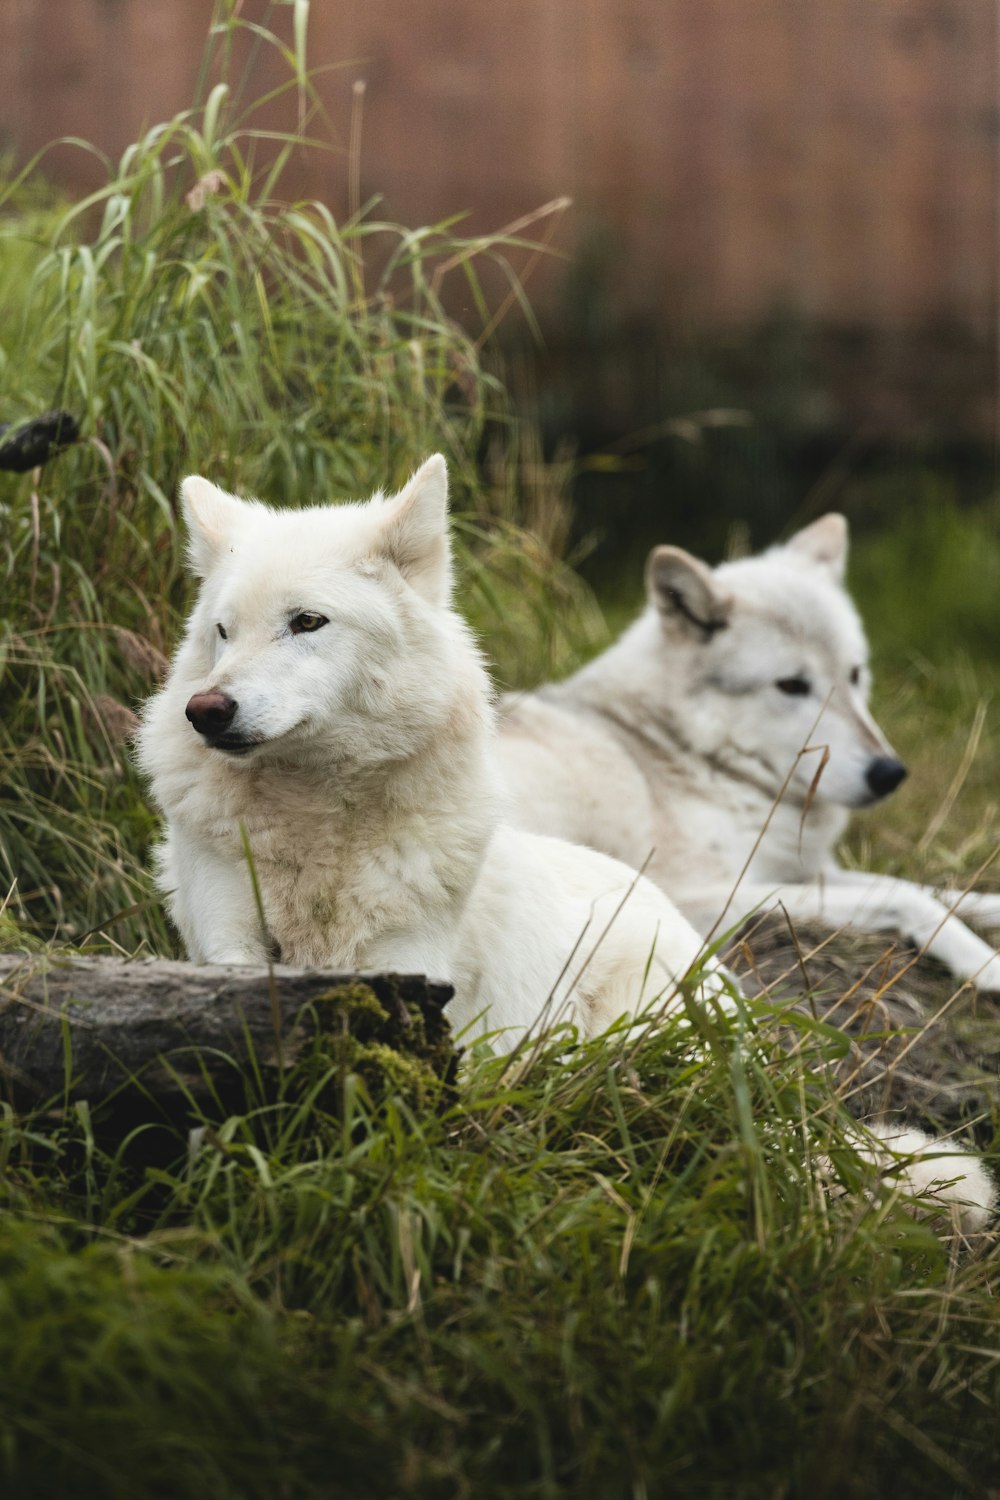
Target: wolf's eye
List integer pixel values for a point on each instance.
(855, 676)
(307, 621)
(222, 632)
(795, 687)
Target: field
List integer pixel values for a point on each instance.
(612, 1269)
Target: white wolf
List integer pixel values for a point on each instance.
(328, 699)
(329, 703)
(720, 742)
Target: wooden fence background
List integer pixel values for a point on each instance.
(835, 157)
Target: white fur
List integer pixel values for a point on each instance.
(938, 1174)
(677, 746)
(367, 791)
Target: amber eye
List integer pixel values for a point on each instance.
(307, 621)
(222, 632)
(795, 687)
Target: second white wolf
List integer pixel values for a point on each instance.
(721, 742)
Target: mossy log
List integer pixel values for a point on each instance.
(182, 1036)
(186, 1036)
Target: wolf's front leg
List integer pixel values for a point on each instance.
(981, 906)
(429, 951)
(211, 901)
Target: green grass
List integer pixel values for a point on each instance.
(611, 1271)
(929, 591)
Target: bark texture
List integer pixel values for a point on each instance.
(182, 1034)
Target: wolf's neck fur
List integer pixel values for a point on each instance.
(633, 676)
(635, 690)
(383, 873)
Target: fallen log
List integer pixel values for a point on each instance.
(184, 1036)
(177, 1037)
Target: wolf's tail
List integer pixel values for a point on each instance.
(938, 1173)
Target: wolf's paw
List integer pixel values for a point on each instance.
(983, 907)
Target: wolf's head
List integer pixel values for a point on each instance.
(773, 666)
(324, 628)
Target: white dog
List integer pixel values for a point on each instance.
(329, 705)
(719, 744)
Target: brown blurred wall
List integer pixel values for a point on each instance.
(837, 156)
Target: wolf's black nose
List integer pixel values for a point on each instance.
(884, 775)
(211, 713)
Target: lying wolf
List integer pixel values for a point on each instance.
(720, 743)
(328, 704)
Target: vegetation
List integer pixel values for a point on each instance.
(631, 1268)
(611, 1272)
(186, 316)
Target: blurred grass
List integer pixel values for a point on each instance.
(927, 580)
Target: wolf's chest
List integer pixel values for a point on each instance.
(328, 898)
(313, 896)
(791, 844)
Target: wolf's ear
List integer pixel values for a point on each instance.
(414, 531)
(824, 544)
(211, 517)
(685, 590)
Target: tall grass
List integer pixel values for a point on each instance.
(191, 319)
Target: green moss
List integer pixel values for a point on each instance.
(401, 1049)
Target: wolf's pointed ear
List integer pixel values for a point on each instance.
(685, 590)
(414, 531)
(211, 516)
(824, 544)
